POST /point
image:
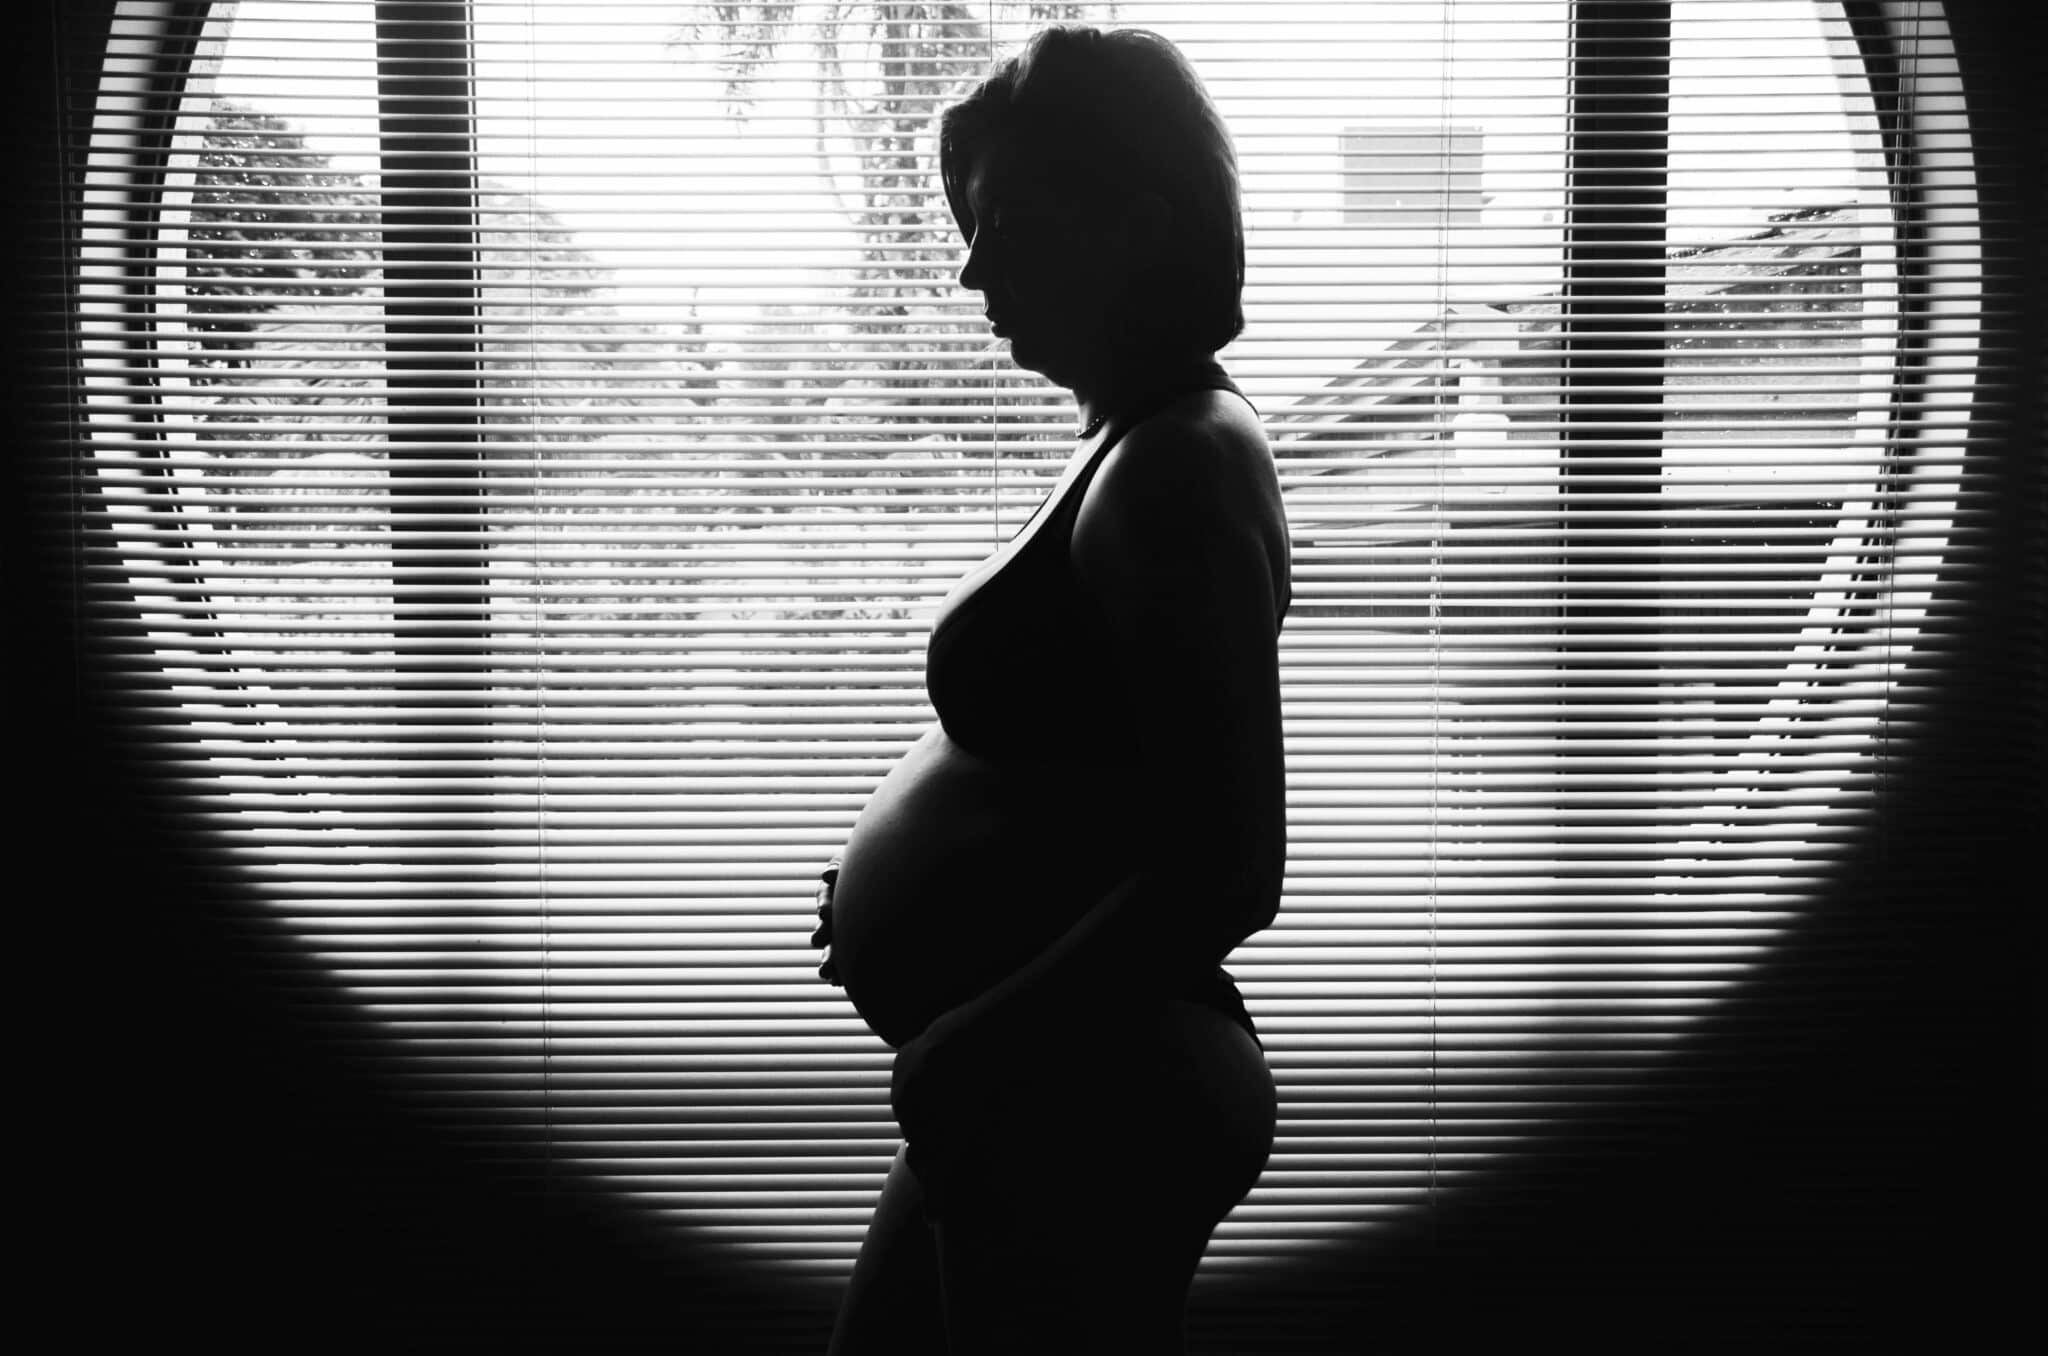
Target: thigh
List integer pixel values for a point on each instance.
(1072, 1275)
(1170, 1097)
(892, 1302)
(1074, 1221)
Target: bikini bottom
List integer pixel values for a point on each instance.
(1167, 1097)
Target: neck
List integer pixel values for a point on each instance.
(1105, 398)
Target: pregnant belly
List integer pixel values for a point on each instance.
(958, 871)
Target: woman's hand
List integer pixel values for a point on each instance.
(925, 1086)
(923, 1056)
(967, 1055)
(822, 935)
(961, 1078)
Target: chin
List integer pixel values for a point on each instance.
(1031, 359)
(1023, 357)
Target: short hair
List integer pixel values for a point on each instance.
(1121, 113)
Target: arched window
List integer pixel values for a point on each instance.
(531, 438)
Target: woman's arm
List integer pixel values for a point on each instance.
(1182, 541)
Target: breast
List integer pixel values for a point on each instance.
(959, 870)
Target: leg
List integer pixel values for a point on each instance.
(1075, 1223)
(1094, 1277)
(892, 1302)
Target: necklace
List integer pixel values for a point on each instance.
(1088, 429)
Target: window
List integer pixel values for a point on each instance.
(1393, 174)
(536, 434)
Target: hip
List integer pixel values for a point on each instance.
(1165, 1087)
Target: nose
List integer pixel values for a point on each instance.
(976, 272)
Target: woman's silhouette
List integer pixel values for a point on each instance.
(1034, 907)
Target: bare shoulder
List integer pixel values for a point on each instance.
(1204, 452)
(1189, 488)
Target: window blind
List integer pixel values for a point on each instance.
(534, 438)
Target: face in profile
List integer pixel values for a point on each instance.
(1049, 264)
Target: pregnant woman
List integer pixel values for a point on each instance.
(1034, 908)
